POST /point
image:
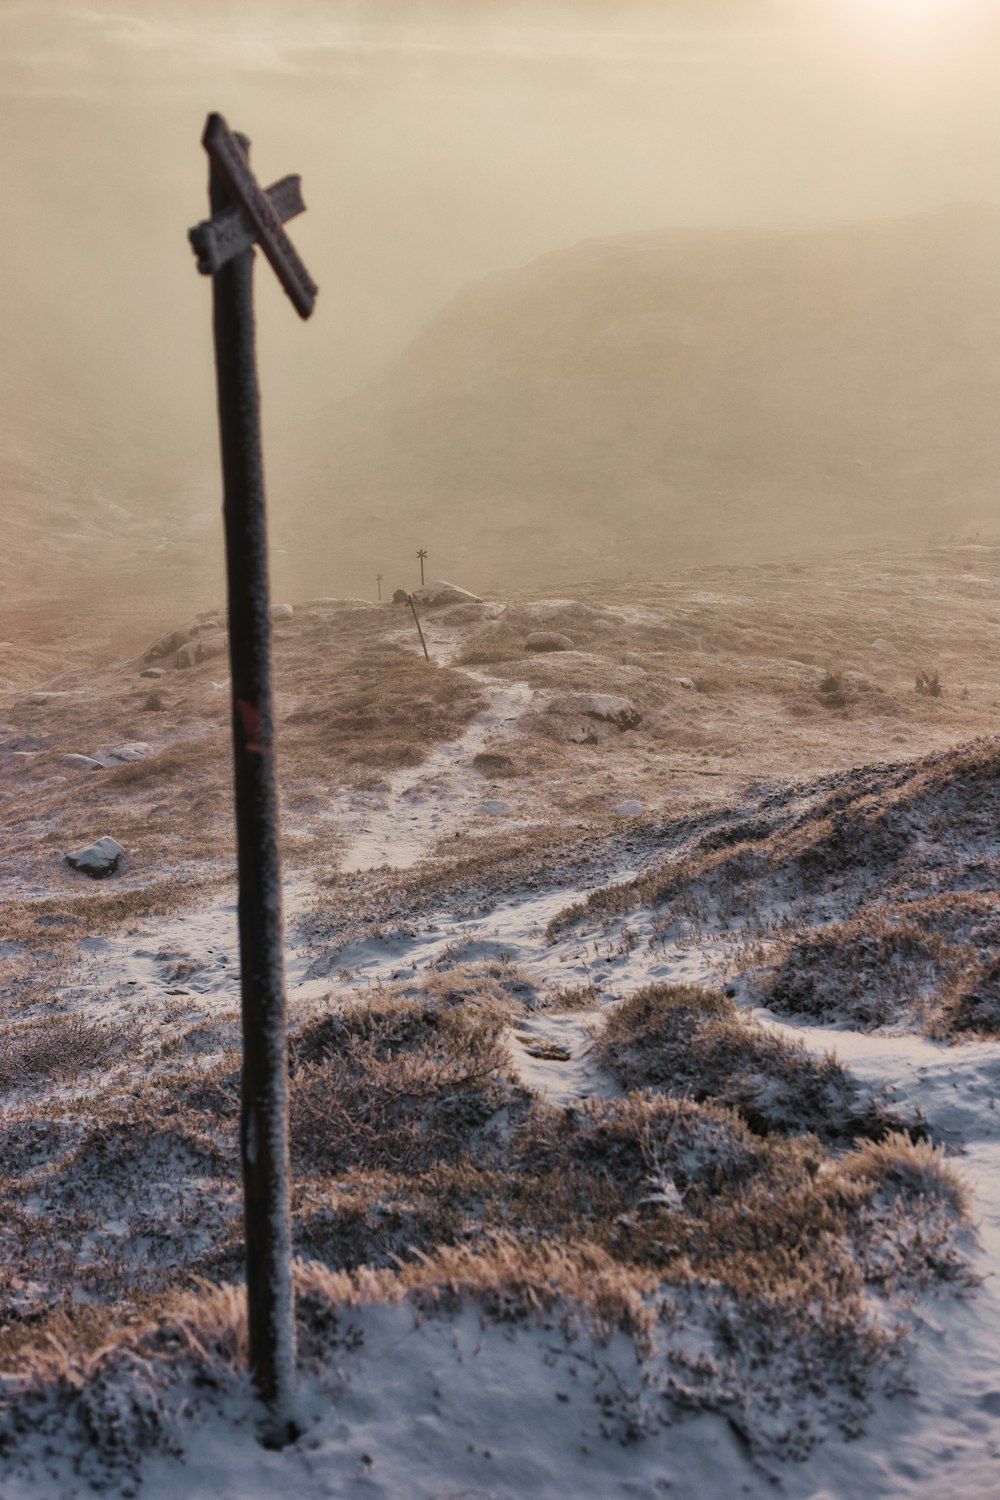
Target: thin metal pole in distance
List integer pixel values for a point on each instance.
(264, 1102)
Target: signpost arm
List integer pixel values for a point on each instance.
(264, 1109)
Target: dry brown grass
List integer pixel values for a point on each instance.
(63, 1048)
(916, 1169)
(692, 1041)
(376, 707)
(89, 907)
(398, 1084)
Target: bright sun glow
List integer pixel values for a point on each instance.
(906, 21)
(902, 12)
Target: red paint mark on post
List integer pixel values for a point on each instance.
(250, 719)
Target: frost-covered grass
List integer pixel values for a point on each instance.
(694, 1042)
(866, 897)
(522, 1166)
(427, 1174)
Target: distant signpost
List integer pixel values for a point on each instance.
(378, 580)
(244, 215)
(422, 554)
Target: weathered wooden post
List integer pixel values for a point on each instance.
(416, 621)
(378, 580)
(243, 215)
(421, 554)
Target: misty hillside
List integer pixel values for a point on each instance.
(689, 394)
(78, 550)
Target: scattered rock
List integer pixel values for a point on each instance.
(37, 699)
(621, 712)
(881, 644)
(547, 1051)
(630, 808)
(98, 859)
(548, 640)
(82, 762)
(494, 805)
(213, 645)
(168, 644)
(439, 592)
(685, 682)
(138, 750)
(203, 649)
(154, 672)
(281, 612)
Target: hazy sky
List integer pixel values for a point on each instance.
(437, 143)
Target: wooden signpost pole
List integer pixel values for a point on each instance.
(244, 215)
(416, 621)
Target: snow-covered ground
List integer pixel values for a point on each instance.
(447, 1402)
(447, 1405)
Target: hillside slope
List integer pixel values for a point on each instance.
(692, 394)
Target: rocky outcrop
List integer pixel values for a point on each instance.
(203, 649)
(437, 593)
(168, 644)
(588, 718)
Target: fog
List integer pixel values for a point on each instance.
(438, 144)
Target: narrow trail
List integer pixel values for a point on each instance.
(431, 801)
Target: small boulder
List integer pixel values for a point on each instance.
(137, 750)
(210, 646)
(187, 656)
(281, 612)
(168, 644)
(154, 672)
(98, 859)
(548, 640)
(621, 712)
(685, 682)
(439, 592)
(82, 762)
